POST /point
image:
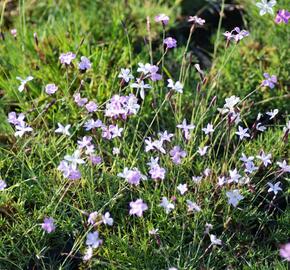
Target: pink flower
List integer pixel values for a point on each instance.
(91, 106)
(50, 88)
(13, 32)
(283, 15)
(285, 251)
(196, 20)
(66, 58)
(138, 207)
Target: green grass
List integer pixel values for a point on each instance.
(111, 34)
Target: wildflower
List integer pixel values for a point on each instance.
(176, 154)
(196, 20)
(284, 167)
(285, 251)
(138, 207)
(197, 179)
(107, 219)
(283, 15)
(208, 227)
(162, 18)
(154, 76)
(22, 129)
(273, 113)
(133, 176)
(234, 176)
(95, 159)
(246, 159)
(93, 240)
(157, 144)
(93, 218)
(266, 159)
(74, 159)
(192, 206)
(207, 172)
(157, 172)
(260, 127)
(116, 151)
(222, 180)
(126, 75)
(48, 225)
(176, 86)
(234, 197)
(165, 136)
(231, 102)
(182, 188)
(170, 42)
(215, 241)
(90, 149)
(14, 32)
(16, 120)
(250, 167)
(88, 254)
(142, 86)
(202, 150)
(23, 82)
(3, 184)
(50, 88)
(266, 7)
(186, 128)
(74, 174)
(208, 129)
(145, 69)
(66, 58)
(91, 124)
(80, 101)
(91, 106)
(115, 131)
(275, 188)
(168, 206)
(85, 142)
(84, 64)
(153, 231)
(242, 132)
(239, 34)
(269, 81)
(63, 129)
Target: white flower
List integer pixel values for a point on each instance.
(246, 159)
(141, 85)
(266, 7)
(74, 159)
(283, 165)
(168, 206)
(144, 68)
(234, 176)
(202, 150)
(22, 129)
(214, 240)
(260, 127)
(3, 185)
(107, 219)
(125, 74)
(88, 254)
(242, 133)
(192, 206)
(234, 197)
(63, 129)
(176, 86)
(197, 179)
(208, 129)
(231, 102)
(93, 240)
(273, 113)
(23, 82)
(222, 180)
(266, 159)
(274, 188)
(182, 188)
(116, 151)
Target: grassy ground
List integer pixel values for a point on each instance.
(111, 34)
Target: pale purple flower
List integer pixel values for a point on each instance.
(126, 75)
(222, 180)
(275, 188)
(283, 15)
(186, 128)
(16, 120)
(162, 18)
(234, 197)
(285, 251)
(157, 144)
(133, 176)
(93, 218)
(242, 133)
(22, 129)
(157, 172)
(95, 159)
(88, 254)
(170, 42)
(165, 136)
(250, 167)
(74, 174)
(137, 207)
(3, 184)
(91, 124)
(265, 158)
(63, 129)
(284, 167)
(246, 159)
(139, 84)
(66, 58)
(93, 240)
(208, 129)
(229, 105)
(236, 34)
(182, 188)
(23, 82)
(84, 142)
(75, 159)
(85, 64)
(48, 225)
(80, 101)
(51, 88)
(107, 219)
(192, 206)
(13, 32)
(177, 154)
(168, 206)
(234, 176)
(196, 20)
(197, 179)
(202, 150)
(145, 69)
(154, 75)
(269, 81)
(176, 86)
(91, 106)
